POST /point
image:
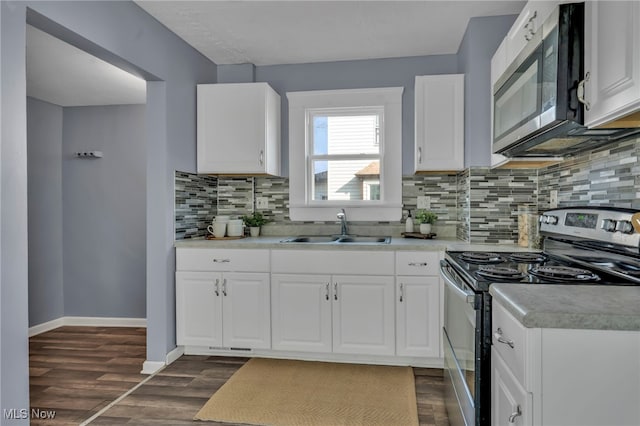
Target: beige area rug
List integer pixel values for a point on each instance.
(286, 392)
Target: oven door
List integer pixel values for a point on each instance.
(462, 308)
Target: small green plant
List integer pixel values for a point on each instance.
(255, 219)
(424, 216)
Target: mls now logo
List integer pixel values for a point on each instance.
(23, 413)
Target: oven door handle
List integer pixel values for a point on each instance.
(447, 273)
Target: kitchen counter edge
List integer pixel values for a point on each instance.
(587, 307)
(397, 243)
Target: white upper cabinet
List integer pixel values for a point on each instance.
(612, 62)
(439, 122)
(238, 129)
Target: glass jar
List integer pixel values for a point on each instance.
(528, 226)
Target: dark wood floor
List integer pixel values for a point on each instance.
(71, 374)
(77, 371)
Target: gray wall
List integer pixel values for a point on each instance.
(119, 32)
(104, 206)
(393, 72)
(44, 153)
(481, 39)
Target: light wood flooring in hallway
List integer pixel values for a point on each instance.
(77, 371)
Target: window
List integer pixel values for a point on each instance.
(345, 152)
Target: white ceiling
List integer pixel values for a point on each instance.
(287, 32)
(67, 76)
(262, 33)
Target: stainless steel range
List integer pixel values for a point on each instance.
(582, 246)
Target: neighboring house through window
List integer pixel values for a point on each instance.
(345, 152)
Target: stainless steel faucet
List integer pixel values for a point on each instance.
(343, 222)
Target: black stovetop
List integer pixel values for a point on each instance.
(481, 269)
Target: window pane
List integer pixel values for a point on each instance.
(346, 180)
(346, 134)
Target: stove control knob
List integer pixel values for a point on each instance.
(609, 225)
(624, 226)
(552, 220)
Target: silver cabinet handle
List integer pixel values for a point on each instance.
(401, 292)
(335, 291)
(326, 294)
(261, 157)
(417, 264)
(498, 336)
(420, 155)
(580, 91)
(217, 287)
(221, 260)
(515, 415)
(224, 287)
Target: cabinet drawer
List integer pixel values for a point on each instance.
(199, 259)
(332, 262)
(417, 262)
(512, 343)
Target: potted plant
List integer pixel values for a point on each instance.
(254, 221)
(425, 218)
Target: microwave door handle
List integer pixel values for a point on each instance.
(445, 269)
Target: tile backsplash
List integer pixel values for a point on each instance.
(478, 205)
(196, 200)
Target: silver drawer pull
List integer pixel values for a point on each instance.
(515, 415)
(326, 294)
(221, 260)
(217, 287)
(401, 292)
(224, 287)
(418, 263)
(498, 336)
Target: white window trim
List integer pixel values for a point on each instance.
(389, 209)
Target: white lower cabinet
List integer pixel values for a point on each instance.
(418, 304)
(231, 310)
(510, 403)
(346, 314)
(363, 320)
(418, 316)
(301, 314)
(340, 305)
(563, 377)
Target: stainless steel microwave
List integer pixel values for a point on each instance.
(537, 108)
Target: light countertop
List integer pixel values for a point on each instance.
(397, 243)
(593, 307)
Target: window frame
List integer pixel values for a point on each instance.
(301, 104)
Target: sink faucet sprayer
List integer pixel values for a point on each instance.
(343, 222)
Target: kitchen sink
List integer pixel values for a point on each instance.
(365, 240)
(312, 239)
(337, 239)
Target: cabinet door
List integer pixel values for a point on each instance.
(612, 60)
(418, 316)
(510, 403)
(439, 122)
(246, 310)
(363, 315)
(238, 128)
(301, 315)
(198, 309)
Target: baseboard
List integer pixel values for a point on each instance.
(46, 326)
(87, 322)
(174, 354)
(151, 367)
(423, 362)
